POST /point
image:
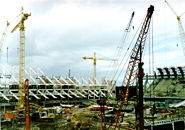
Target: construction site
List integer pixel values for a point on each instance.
(142, 98)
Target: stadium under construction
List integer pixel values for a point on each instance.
(155, 101)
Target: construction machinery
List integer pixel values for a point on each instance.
(119, 51)
(133, 71)
(21, 26)
(180, 27)
(125, 36)
(94, 63)
(27, 104)
(3, 37)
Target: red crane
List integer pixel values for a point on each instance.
(27, 104)
(134, 70)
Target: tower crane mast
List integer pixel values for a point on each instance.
(180, 27)
(21, 27)
(94, 63)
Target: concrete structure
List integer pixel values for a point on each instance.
(166, 82)
(43, 87)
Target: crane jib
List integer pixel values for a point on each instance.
(135, 69)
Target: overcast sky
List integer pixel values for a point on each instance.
(60, 32)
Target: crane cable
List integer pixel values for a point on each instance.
(122, 42)
(122, 65)
(153, 65)
(6, 33)
(118, 51)
(150, 53)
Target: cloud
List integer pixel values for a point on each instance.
(60, 32)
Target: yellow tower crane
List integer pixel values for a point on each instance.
(181, 29)
(21, 26)
(94, 63)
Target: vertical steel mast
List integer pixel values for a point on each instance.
(134, 70)
(180, 27)
(136, 55)
(21, 26)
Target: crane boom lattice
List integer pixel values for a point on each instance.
(4, 36)
(132, 71)
(136, 54)
(180, 27)
(94, 63)
(21, 26)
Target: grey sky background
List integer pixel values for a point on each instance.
(60, 32)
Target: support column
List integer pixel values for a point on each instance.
(139, 105)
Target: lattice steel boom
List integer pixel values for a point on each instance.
(21, 26)
(180, 27)
(133, 70)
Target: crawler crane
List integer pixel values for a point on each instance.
(134, 70)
